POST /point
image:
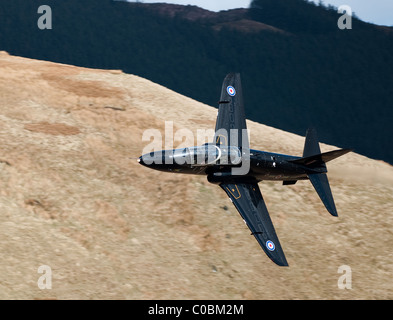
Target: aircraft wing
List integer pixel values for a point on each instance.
(248, 200)
(231, 117)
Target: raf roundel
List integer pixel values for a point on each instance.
(231, 91)
(270, 245)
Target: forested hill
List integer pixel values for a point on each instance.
(298, 68)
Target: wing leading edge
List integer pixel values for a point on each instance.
(248, 200)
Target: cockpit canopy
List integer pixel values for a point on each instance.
(208, 154)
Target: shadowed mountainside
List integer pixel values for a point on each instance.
(71, 198)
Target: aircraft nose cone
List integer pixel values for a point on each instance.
(140, 161)
(152, 160)
(146, 161)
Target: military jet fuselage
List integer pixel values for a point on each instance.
(263, 165)
(229, 162)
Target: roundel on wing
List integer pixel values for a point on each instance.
(270, 245)
(231, 91)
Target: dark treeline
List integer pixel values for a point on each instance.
(313, 74)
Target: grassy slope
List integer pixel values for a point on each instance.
(71, 198)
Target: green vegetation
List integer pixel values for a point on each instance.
(339, 81)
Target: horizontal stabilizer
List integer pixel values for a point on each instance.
(322, 158)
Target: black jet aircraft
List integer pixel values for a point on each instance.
(229, 162)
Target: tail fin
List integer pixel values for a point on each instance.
(314, 159)
(311, 145)
(321, 184)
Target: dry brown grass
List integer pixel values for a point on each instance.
(71, 198)
(52, 128)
